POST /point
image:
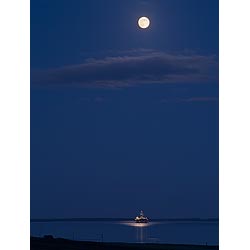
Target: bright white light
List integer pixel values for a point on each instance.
(143, 22)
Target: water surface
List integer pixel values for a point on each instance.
(181, 232)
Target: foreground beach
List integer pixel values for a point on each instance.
(50, 243)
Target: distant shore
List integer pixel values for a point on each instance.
(50, 243)
(125, 219)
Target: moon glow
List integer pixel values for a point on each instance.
(143, 22)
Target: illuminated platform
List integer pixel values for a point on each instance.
(141, 218)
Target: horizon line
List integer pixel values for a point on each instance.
(119, 219)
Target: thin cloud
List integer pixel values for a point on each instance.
(202, 99)
(142, 67)
(190, 99)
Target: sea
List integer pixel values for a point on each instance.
(172, 232)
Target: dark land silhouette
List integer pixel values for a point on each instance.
(50, 243)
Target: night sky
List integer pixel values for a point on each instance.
(124, 119)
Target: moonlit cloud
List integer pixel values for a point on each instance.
(135, 68)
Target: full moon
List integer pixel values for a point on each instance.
(143, 22)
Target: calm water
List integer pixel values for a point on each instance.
(157, 232)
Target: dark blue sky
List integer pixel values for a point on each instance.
(124, 119)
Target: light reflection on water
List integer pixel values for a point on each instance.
(140, 230)
(134, 224)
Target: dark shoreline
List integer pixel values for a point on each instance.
(50, 243)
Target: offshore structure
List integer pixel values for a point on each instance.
(141, 218)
